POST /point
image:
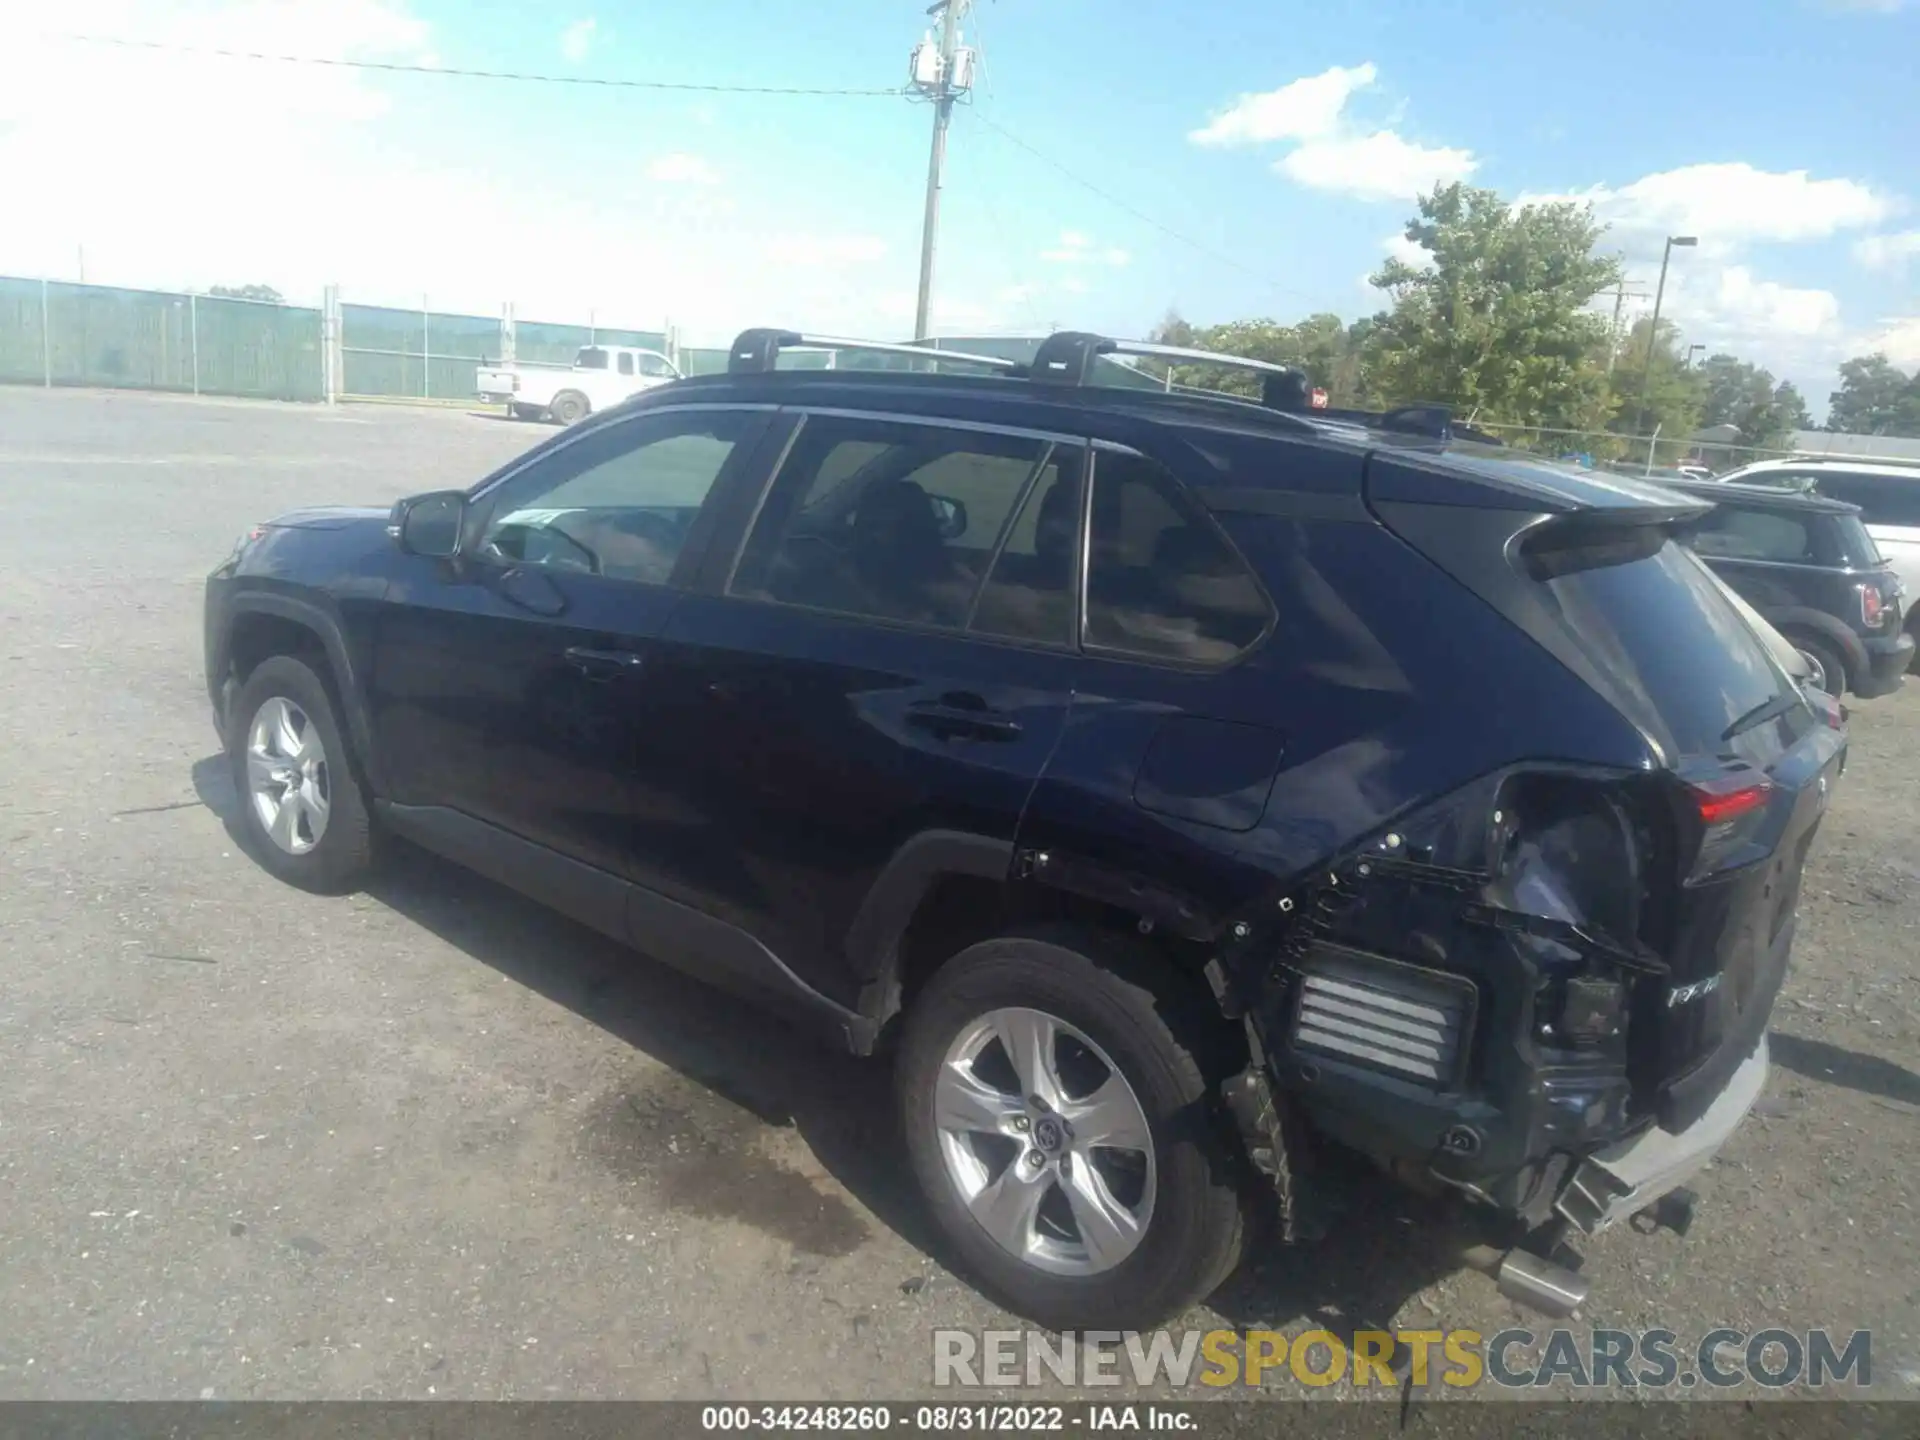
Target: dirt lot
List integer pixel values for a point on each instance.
(432, 1141)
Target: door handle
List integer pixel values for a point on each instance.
(603, 664)
(949, 721)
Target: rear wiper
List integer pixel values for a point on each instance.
(1766, 710)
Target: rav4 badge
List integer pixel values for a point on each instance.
(1681, 994)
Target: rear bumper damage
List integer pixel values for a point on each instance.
(1624, 1179)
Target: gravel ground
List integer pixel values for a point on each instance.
(431, 1140)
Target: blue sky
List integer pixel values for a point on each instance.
(1280, 142)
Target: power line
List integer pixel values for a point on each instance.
(1142, 216)
(402, 68)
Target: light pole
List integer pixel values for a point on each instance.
(1692, 350)
(1653, 330)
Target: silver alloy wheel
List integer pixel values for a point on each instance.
(1816, 672)
(287, 780)
(1045, 1142)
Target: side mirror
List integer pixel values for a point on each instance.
(952, 515)
(430, 525)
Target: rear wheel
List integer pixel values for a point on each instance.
(569, 407)
(1829, 671)
(301, 805)
(1058, 1115)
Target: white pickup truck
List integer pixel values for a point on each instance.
(601, 375)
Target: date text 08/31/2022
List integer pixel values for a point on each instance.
(937, 1419)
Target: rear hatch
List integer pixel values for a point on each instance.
(1740, 758)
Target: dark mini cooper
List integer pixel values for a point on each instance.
(1187, 787)
(1808, 565)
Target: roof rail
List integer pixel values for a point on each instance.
(1069, 358)
(755, 351)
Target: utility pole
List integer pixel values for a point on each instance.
(1620, 294)
(943, 86)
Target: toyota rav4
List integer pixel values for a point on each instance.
(1184, 788)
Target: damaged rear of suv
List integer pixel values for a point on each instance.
(1491, 845)
(1188, 788)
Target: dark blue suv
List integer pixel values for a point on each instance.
(1187, 788)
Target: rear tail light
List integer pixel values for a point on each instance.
(1721, 802)
(1725, 813)
(1873, 606)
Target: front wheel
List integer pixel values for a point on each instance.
(301, 806)
(1057, 1110)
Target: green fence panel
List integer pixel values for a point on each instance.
(155, 340)
(22, 356)
(245, 347)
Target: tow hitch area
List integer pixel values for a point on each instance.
(1672, 1211)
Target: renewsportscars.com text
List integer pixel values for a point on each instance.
(1720, 1358)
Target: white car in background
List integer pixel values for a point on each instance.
(600, 376)
(1887, 492)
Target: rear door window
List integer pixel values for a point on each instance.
(1162, 581)
(897, 520)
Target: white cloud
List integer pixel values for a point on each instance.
(577, 39)
(1727, 203)
(1741, 304)
(1302, 110)
(1331, 153)
(682, 169)
(1380, 166)
(1891, 253)
(1407, 252)
(1898, 338)
(1075, 247)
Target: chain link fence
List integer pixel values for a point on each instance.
(57, 332)
(1632, 454)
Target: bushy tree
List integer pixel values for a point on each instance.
(1497, 322)
(1875, 398)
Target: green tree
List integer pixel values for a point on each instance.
(1875, 398)
(1657, 392)
(247, 292)
(1323, 346)
(1765, 411)
(1497, 323)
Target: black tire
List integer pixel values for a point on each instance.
(1157, 1032)
(1828, 660)
(339, 856)
(569, 407)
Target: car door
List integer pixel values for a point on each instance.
(882, 668)
(504, 681)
